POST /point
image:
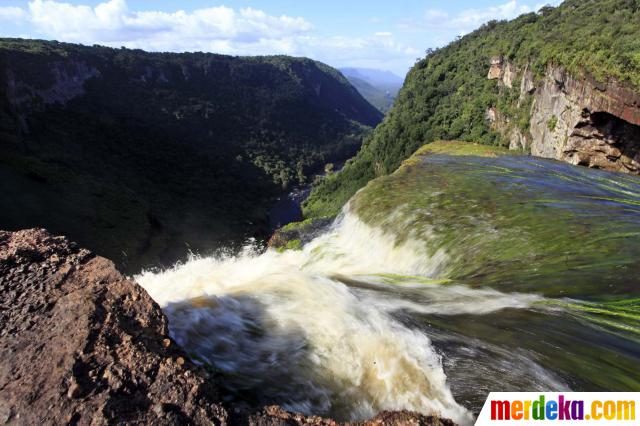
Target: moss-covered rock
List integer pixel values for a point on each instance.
(510, 221)
(296, 234)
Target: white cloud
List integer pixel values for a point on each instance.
(476, 17)
(112, 22)
(469, 19)
(220, 29)
(13, 14)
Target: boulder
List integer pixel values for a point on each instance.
(80, 343)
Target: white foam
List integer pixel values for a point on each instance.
(279, 325)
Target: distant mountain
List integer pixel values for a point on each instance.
(376, 86)
(142, 156)
(374, 76)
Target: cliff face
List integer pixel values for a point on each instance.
(67, 80)
(576, 120)
(586, 123)
(81, 344)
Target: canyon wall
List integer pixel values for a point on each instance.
(574, 119)
(133, 154)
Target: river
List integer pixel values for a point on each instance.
(288, 207)
(450, 278)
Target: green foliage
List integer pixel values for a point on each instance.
(296, 226)
(552, 123)
(446, 94)
(202, 142)
(291, 245)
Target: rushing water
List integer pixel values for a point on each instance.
(451, 278)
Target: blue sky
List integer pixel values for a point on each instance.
(387, 35)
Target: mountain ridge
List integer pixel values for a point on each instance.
(379, 87)
(133, 153)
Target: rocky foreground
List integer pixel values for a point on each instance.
(81, 344)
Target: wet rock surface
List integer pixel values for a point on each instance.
(297, 234)
(82, 344)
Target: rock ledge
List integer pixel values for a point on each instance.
(81, 344)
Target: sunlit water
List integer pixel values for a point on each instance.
(445, 281)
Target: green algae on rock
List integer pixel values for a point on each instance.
(294, 235)
(510, 221)
(461, 148)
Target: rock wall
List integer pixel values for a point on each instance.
(67, 81)
(495, 71)
(583, 122)
(577, 120)
(503, 71)
(518, 140)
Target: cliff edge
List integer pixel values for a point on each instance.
(81, 344)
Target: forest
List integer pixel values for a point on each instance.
(133, 153)
(446, 94)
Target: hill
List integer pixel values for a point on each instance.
(143, 156)
(562, 83)
(378, 87)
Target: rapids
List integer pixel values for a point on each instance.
(446, 280)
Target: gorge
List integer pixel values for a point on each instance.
(133, 153)
(482, 235)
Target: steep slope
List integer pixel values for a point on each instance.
(380, 88)
(141, 156)
(562, 83)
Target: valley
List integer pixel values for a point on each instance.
(197, 238)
